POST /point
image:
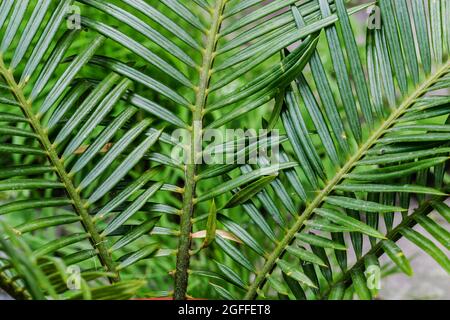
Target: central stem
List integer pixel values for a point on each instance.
(184, 245)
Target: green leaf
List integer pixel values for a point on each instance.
(340, 68)
(243, 179)
(325, 225)
(46, 222)
(319, 121)
(255, 15)
(45, 39)
(135, 233)
(421, 26)
(397, 256)
(29, 184)
(360, 285)
(347, 221)
(232, 276)
(60, 243)
(5, 8)
(223, 293)
(398, 171)
(143, 28)
(211, 225)
(208, 274)
(293, 272)
(394, 43)
(361, 205)
(14, 24)
(137, 48)
(319, 241)
(427, 246)
(184, 13)
(21, 205)
(259, 220)
(356, 66)
(295, 287)
(388, 188)
(69, 74)
(443, 210)
(249, 191)
(112, 154)
(129, 162)
(126, 193)
(337, 292)
(102, 139)
(164, 21)
(406, 34)
(134, 207)
(157, 110)
(86, 107)
(433, 228)
(18, 149)
(123, 290)
(278, 76)
(26, 171)
(402, 156)
(53, 61)
(234, 253)
(278, 286)
(143, 253)
(96, 117)
(30, 30)
(298, 145)
(140, 77)
(305, 255)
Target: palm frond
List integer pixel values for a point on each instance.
(86, 116)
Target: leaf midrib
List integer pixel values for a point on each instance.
(95, 238)
(205, 72)
(269, 265)
(12, 289)
(377, 250)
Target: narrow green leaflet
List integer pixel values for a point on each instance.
(305, 255)
(319, 241)
(388, 188)
(292, 271)
(438, 232)
(211, 225)
(362, 205)
(428, 246)
(397, 256)
(251, 176)
(360, 285)
(248, 192)
(347, 221)
(232, 276)
(443, 210)
(234, 253)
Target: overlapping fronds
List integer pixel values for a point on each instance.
(359, 164)
(89, 175)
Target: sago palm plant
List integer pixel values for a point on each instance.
(92, 91)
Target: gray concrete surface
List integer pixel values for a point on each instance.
(429, 281)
